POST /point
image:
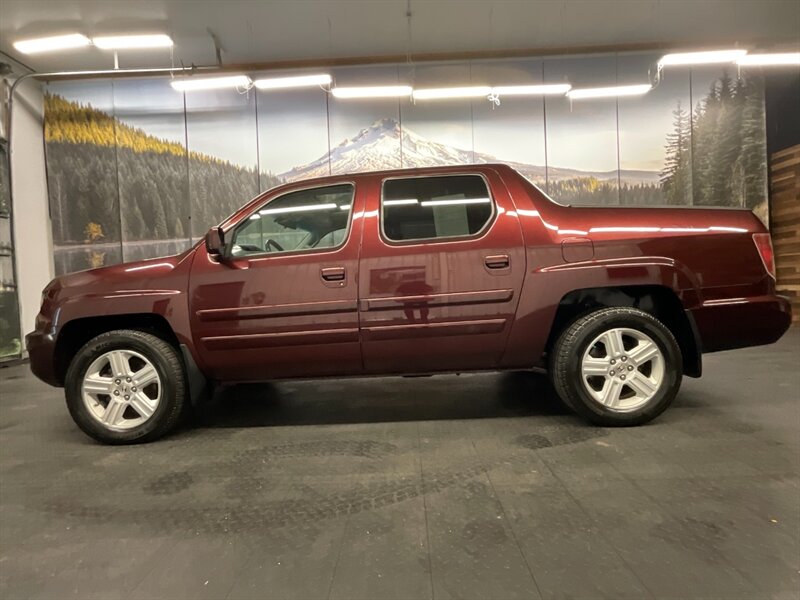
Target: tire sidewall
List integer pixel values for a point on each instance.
(74, 382)
(672, 368)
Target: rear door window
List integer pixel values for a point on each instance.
(432, 208)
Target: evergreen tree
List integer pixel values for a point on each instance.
(135, 226)
(729, 146)
(727, 143)
(160, 223)
(754, 146)
(676, 177)
(80, 215)
(704, 140)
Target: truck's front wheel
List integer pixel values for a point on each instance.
(125, 387)
(617, 366)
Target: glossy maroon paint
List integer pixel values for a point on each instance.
(376, 307)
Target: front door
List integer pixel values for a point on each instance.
(283, 302)
(441, 269)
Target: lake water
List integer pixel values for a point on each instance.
(88, 256)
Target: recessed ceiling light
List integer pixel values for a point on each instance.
(191, 84)
(280, 83)
(386, 91)
(453, 92)
(769, 60)
(610, 92)
(122, 42)
(701, 58)
(50, 44)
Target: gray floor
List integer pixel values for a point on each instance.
(477, 486)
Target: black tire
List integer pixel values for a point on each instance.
(571, 345)
(167, 362)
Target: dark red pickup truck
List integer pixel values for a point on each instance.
(413, 272)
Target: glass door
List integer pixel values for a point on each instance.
(10, 339)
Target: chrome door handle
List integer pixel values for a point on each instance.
(497, 261)
(332, 273)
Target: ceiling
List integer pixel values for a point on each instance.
(252, 31)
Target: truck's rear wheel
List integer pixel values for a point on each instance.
(125, 387)
(617, 367)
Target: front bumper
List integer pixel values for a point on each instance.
(741, 322)
(41, 352)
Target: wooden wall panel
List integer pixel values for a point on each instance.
(785, 223)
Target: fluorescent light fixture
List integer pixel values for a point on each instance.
(452, 202)
(191, 84)
(344, 207)
(255, 217)
(701, 58)
(386, 91)
(610, 92)
(454, 92)
(400, 202)
(49, 44)
(769, 60)
(531, 90)
(123, 42)
(291, 209)
(282, 83)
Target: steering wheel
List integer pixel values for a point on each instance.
(272, 243)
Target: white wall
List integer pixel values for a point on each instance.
(33, 244)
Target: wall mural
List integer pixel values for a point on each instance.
(137, 169)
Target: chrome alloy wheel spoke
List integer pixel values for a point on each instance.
(121, 389)
(623, 369)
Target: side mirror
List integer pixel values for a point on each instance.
(215, 241)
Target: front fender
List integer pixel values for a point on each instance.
(167, 303)
(77, 306)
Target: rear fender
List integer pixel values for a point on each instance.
(543, 290)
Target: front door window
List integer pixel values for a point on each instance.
(313, 219)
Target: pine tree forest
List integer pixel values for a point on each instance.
(109, 182)
(716, 156)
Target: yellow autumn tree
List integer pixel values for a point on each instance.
(77, 123)
(93, 233)
(97, 259)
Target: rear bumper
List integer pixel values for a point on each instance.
(41, 350)
(741, 322)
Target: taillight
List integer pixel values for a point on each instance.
(763, 244)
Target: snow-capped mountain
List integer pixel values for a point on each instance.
(379, 147)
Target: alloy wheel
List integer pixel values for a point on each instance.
(121, 389)
(622, 369)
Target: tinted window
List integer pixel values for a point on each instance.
(308, 219)
(420, 208)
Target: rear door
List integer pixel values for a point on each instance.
(284, 302)
(441, 269)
